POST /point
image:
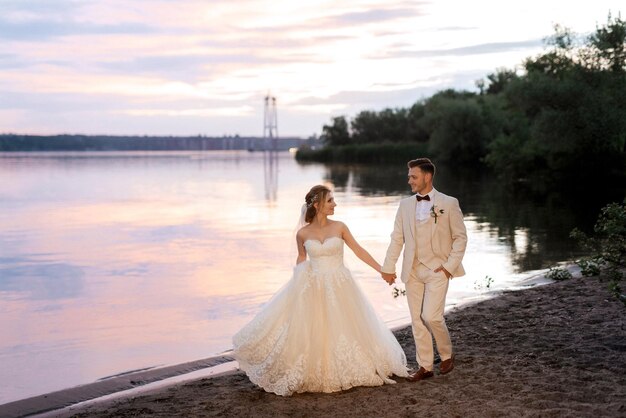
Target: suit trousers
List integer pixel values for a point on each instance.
(426, 294)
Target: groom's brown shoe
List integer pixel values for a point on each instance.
(421, 374)
(446, 366)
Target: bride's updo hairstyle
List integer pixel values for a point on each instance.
(317, 194)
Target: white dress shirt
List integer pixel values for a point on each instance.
(422, 208)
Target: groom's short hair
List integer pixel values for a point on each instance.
(424, 164)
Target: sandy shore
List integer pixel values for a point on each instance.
(553, 350)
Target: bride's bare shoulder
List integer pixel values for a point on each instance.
(303, 232)
(338, 224)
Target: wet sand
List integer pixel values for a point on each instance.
(553, 350)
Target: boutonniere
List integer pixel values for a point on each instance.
(435, 213)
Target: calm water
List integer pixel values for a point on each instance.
(111, 262)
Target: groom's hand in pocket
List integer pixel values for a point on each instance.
(390, 278)
(440, 268)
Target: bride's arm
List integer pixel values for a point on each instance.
(301, 249)
(357, 249)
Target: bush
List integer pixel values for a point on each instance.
(588, 267)
(608, 244)
(558, 274)
(607, 247)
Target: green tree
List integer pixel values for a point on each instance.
(499, 80)
(416, 131)
(337, 132)
(607, 47)
(388, 125)
(458, 126)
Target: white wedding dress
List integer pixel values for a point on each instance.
(318, 333)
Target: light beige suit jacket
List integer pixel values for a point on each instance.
(448, 236)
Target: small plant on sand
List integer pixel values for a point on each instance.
(607, 246)
(558, 274)
(588, 267)
(485, 284)
(616, 290)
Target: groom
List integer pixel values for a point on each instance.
(430, 226)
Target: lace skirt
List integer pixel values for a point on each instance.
(318, 334)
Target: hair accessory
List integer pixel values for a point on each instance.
(313, 200)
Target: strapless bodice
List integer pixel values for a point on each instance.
(325, 255)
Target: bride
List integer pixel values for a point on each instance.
(319, 333)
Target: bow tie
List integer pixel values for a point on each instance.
(420, 198)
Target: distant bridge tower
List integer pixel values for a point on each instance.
(270, 126)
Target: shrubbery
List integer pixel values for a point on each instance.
(607, 247)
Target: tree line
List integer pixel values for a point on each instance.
(15, 142)
(562, 115)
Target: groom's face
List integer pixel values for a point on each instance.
(419, 180)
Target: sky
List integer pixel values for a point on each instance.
(191, 67)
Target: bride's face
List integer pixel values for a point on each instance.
(328, 206)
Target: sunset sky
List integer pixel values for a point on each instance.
(190, 67)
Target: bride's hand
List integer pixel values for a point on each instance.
(390, 278)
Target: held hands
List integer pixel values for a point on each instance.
(440, 268)
(390, 278)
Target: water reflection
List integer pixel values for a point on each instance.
(42, 280)
(270, 174)
(379, 180)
